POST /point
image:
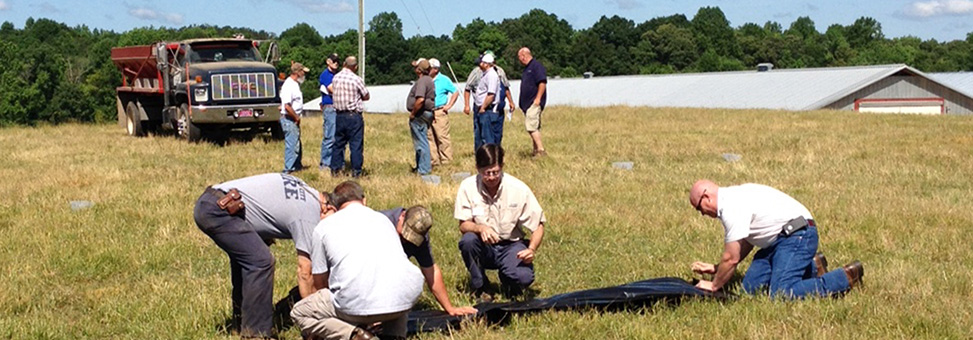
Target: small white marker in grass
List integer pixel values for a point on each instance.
(623, 165)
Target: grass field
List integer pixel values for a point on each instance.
(893, 191)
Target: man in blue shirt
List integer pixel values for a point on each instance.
(327, 109)
(440, 146)
(533, 97)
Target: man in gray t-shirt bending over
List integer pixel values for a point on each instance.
(243, 217)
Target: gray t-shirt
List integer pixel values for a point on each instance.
(488, 84)
(279, 206)
(425, 88)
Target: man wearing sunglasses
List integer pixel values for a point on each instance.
(493, 208)
(755, 215)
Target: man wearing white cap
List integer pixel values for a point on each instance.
(440, 146)
(488, 117)
(291, 110)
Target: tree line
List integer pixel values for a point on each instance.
(53, 73)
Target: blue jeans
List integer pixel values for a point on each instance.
(420, 143)
(293, 150)
(491, 127)
(251, 265)
(328, 141)
(788, 268)
(479, 256)
(350, 130)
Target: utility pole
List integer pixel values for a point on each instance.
(361, 39)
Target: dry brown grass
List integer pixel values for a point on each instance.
(893, 191)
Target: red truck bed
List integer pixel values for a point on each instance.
(138, 67)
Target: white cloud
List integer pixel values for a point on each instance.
(317, 6)
(625, 4)
(4, 5)
(145, 13)
(934, 8)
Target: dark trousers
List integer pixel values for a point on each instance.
(488, 128)
(251, 265)
(479, 256)
(350, 130)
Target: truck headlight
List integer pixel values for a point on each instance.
(199, 94)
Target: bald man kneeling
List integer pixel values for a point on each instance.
(755, 215)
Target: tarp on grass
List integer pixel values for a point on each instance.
(630, 295)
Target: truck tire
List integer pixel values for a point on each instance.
(185, 128)
(276, 131)
(133, 124)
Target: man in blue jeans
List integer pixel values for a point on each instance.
(348, 94)
(291, 111)
(755, 215)
(327, 110)
(420, 103)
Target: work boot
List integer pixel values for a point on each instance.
(821, 263)
(361, 334)
(854, 272)
(482, 296)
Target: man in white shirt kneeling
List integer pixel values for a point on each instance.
(362, 274)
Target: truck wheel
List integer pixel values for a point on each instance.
(276, 131)
(185, 128)
(133, 124)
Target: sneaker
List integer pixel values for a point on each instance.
(821, 263)
(482, 296)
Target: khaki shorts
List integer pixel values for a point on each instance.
(533, 118)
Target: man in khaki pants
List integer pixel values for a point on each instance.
(440, 146)
(533, 97)
(362, 274)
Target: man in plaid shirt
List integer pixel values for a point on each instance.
(349, 92)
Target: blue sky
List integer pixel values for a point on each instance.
(939, 19)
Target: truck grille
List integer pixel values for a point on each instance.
(243, 86)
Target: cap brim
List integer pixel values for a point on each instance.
(412, 236)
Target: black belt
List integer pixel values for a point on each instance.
(346, 112)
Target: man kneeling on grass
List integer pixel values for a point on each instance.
(783, 229)
(362, 274)
(493, 208)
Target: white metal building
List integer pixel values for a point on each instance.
(879, 89)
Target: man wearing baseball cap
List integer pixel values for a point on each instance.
(327, 109)
(291, 109)
(420, 104)
(413, 226)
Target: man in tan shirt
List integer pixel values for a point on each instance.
(492, 209)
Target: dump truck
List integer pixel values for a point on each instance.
(198, 88)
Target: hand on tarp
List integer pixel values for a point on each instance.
(460, 311)
(705, 285)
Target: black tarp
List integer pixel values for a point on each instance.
(631, 295)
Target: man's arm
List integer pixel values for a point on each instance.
(487, 234)
(434, 279)
(540, 92)
(510, 99)
(733, 253)
(305, 281)
(488, 101)
(466, 102)
(527, 255)
(320, 281)
(416, 107)
(291, 114)
(452, 100)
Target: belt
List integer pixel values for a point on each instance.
(346, 112)
(231, 202)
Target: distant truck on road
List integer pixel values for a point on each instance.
(198, 87)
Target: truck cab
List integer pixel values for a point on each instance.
(198, 87)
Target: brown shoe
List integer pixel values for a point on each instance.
(821, 263)
(361, 334)
(854, 272)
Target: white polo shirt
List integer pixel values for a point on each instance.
(756, 213)
(513, 207)
(369, 272)
(290, 93)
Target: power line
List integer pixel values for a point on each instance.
(411, 17)
(433, 29)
